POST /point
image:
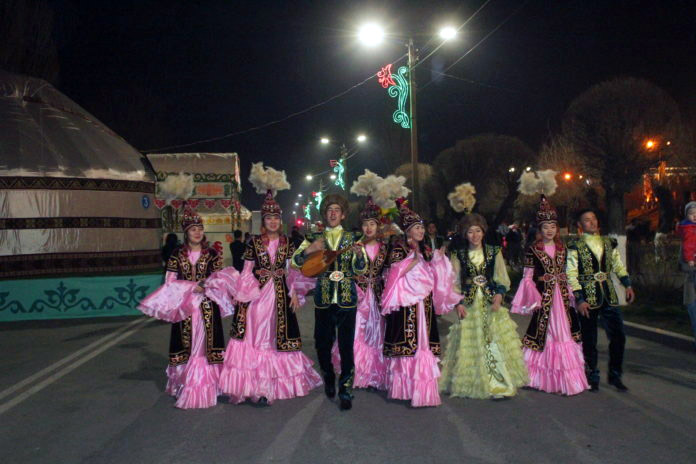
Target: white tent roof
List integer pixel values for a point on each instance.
(44, 133)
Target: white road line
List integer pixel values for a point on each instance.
(67, 359)
(49, 380)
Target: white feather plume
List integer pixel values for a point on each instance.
(366, 184)
(462, 198)
(389, 190)
(176, 186)
(547, 182)
(544, 182)
(264, 179)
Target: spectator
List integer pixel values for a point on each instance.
(247, 236)
(237, 249)
(170, 243)
(296, 237)
(432, 239)
(687, 257)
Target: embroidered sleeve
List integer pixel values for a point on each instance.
(456, 270)
(249, 251)
(617, 265)
(298, 257)
(529, 258)
(396, 254)
(173, 263)
(500, 274)
(572, 269)
(217, 263)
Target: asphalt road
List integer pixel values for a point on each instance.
(91, 391)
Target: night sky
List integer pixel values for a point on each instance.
(163, 73)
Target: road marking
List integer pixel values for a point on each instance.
(289, 437)
(66, 359)
(113, 339)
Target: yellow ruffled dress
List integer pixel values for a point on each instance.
(483, 357)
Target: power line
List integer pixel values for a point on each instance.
(270, 123)
(481, 41)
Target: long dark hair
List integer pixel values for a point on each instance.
(421, 246)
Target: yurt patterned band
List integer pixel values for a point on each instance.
(80, 223)
(75, 183)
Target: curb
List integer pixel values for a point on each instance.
(664, 337)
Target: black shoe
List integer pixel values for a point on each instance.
(345, 404)
(618, 384)
(594, 387)
(330, 386)
(263, 401)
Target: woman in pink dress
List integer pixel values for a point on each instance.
(370, 366)
(552, 348)
(263, 360)
(197, 344)
(419, 285)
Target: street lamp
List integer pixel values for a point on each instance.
(324, 140)
(309, 177)
(371, 35)
(448, 33)
(361, 138)
(299, 195)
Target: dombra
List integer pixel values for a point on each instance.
(319, 261)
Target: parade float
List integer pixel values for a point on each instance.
(79, 231)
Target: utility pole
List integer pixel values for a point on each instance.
(412, 58)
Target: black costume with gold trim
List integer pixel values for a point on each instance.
(180, 342)
(401, 336)
(547, 272)
(287, 328)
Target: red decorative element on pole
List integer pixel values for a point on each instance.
(384, 76)
(333, 163)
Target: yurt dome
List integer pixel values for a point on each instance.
(75, 198)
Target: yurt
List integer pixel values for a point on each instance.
(210, 184)
(79, 231)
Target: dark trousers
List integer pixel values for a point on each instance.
(328, 322)
(612, 321)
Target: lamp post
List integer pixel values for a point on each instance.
(371, 35)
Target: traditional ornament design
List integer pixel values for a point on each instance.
(397, 88)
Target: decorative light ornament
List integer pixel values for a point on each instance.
(308, 210)
(340, 169)
(397, 87)
(318, 196)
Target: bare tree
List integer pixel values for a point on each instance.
(26, 39)
(492, 163)
(615, 128)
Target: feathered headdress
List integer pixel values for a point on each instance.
(462, 199)
(543, 182)
(177, 186)
(268, 181)
(407, 217)
(389, 190)
(366, 185)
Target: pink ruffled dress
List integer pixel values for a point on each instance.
(194, 383)
(415, 378)
(253, 368)
(560, 367)
(370, 364)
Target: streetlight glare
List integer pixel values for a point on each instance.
(362, 138)
(308, 177)
(299, 195)
(332, 176)
(567, 176)
(297, 204)
(371, 34)
(325, 140)
(448, 33)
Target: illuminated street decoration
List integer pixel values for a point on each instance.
(318, 197)
(308, 210)
(397, 88)
(339, 169)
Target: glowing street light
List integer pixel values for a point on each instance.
(371, 34)
(528, 168)
(361, 138)
(567, 176)
(448, 33)
(650, 144)
(512, 169)
(324, 140)
(332, 177)
(297, 204)
(299, 195)
(309, 177)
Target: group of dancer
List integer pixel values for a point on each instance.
(377, 307)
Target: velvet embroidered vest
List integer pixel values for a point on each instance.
(401, 334)
(593, 274)
(547, 272)
(373, 275)
(180, 341)
(346, 296)
(265, 270)
(472, 277)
